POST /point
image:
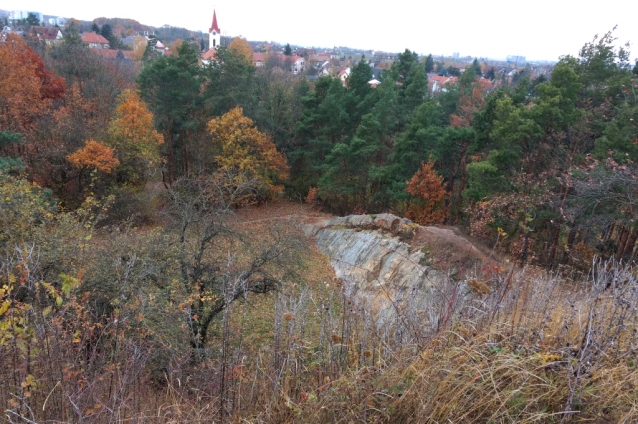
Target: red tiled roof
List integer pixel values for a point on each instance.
(210, 55)
(112, 54)
(47, 33)
(484, 81)
(258, 57)
(439, 79)
(91, 37)
(214, 26)
(343, 71)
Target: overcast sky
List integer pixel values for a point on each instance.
(541, 29)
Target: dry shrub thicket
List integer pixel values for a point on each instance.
(111, 342)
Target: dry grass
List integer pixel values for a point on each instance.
(502, 346)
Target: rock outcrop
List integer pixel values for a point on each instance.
(393, 267)
(379, 270)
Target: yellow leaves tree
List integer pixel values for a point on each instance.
(240, 45)
(23, 206)
(247, 153)
(132, 134)
(427, 186)
(139, 47)
(175, 46)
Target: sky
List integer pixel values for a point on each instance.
(538, 30)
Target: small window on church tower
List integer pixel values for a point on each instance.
(214, 43)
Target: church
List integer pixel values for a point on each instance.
(214, 36)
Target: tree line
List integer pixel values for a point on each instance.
(548, 162)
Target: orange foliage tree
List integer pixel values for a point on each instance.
(132, 134)
(26, 87)
(467, 106)
(427, 186)
(246, 152)
(94, 155)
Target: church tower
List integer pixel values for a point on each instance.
(214, 33)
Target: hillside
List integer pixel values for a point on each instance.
(208, 239)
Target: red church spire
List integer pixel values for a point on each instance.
(214, 26)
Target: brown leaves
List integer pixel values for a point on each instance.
(94, 155)
(427, 185)
(467, 106)
(25, 86)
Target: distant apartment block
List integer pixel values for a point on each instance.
(16, 15)
(516, 59)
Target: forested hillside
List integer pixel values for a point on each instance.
(153, 270)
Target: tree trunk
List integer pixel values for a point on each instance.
(554, 243)
(624, 234)
(631, 243)
(573, 230)
(462, 187)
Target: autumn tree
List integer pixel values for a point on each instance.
(94, 155)
(175, 46)
(247, 153)
(241, 46)
(26, 87)
(134, 137)
(427, 186)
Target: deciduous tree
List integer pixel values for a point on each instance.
(247, 153)
(427, 186)
(26, 87)
(94, 155)
(242, 47)
(134, 137)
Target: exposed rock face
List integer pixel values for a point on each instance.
(382, 273)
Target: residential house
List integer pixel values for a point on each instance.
(321, 57)
(486, 85)
(259, 59)
(50, 35)
(324, 68)
(438, 83)
(95, 41)
(209, 57)
(343, 75)
(160, 47)
(297, 64)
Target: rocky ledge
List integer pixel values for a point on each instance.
(385, 262)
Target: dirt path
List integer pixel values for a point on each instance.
(446, 245)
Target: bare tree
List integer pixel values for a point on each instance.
(218, 264)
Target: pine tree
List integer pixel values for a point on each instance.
(429, 64)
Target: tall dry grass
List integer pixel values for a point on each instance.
(499, 346)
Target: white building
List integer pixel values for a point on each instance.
(214, 37)
(17, 15)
